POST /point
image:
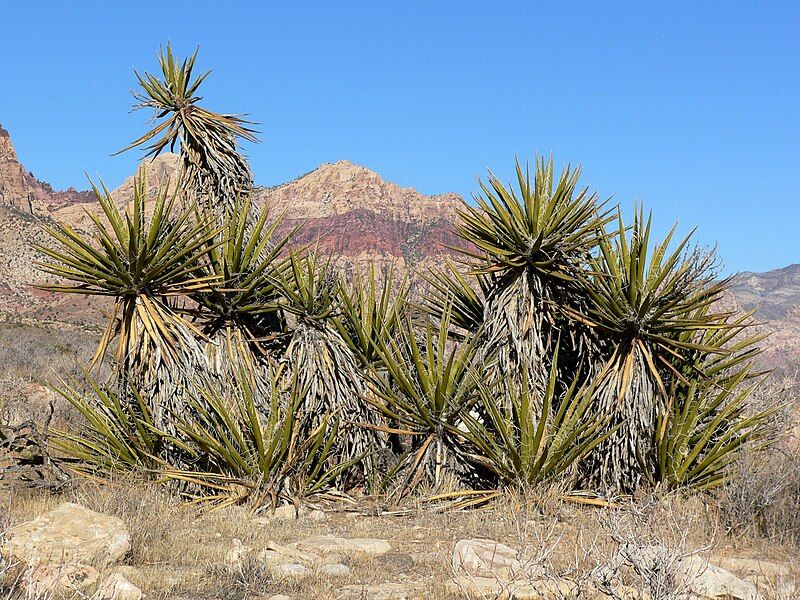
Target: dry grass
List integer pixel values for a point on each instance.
(179, 551)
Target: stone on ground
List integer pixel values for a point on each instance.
(290, 571)
(335, 570)
(69, 535)
(48, 580)
(488, 558)
(116, 587)
(702, 579)
(383, 591)
(337, 546)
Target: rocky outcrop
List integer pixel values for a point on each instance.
(62, 552)
(20, 190)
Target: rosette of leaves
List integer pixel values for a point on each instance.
(523, 448)
(214, 172)
(239, 314)
(371, 311)
(144, 258)
(424, 388)
(528, 246)
(654, 308)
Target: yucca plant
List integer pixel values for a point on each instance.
(214, 173)
(425, 386)
(521, 447)
(328, 370)
(118, 437)
(450, 288)
(240, 451)
(239, 314)
(530, 245)
(650, 306)
(141, 258)
(706, 426)
(371, 311)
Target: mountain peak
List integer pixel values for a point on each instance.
(343, 186)
(6, 147)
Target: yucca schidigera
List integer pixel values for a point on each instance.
(653, 308)
(532, 241)
(214, 172)
(142, 257)
(250, 370)
(425, 383)
(328, 370)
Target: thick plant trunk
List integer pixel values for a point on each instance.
(621, 463)
(332, 385)
(518, 338)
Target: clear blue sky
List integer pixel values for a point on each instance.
(690, 107)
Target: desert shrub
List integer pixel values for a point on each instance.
(761, 494)
(425, 386)
(225, 446)
(520, 446)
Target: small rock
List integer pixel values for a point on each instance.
(715, 583)
(291, 571)
(285, 512)
(235, 556)
(316, 516)
(487, 558)
(327, 545)
(278, 597)
(69, 535)
(702, 578)
(383, 591)
(761, 569)
(293, 552)
(335, 570)
(116, 587)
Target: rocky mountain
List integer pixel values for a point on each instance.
(776, 295)
(352, 213)
(19, 189)
(347, 210)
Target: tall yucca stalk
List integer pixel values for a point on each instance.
(141, 262)
(529, 244)
(328, 370)
(214, 173)
(651, 307)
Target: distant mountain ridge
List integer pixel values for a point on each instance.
(347, 211)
